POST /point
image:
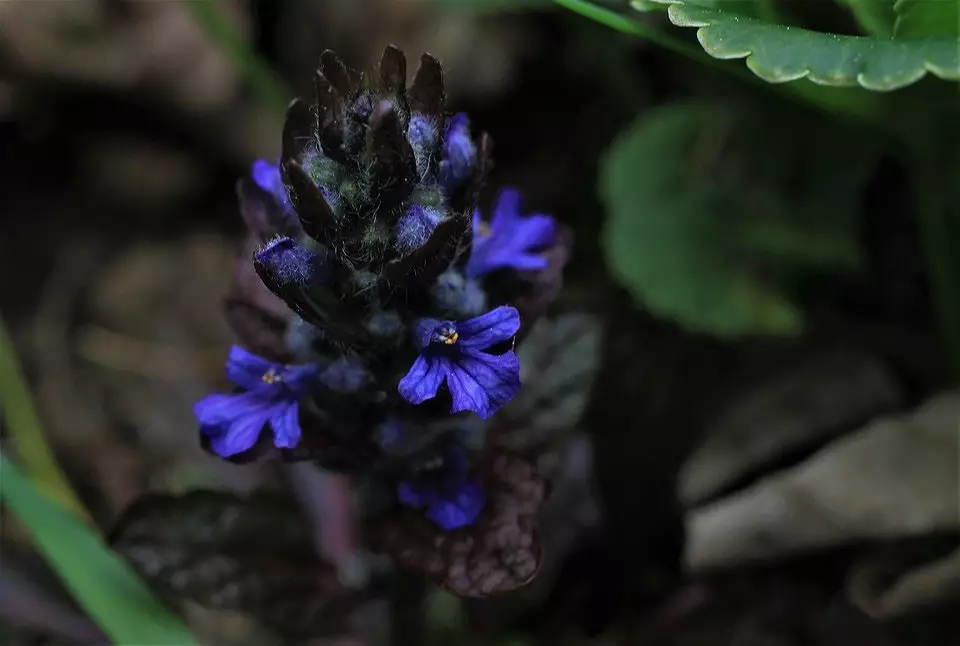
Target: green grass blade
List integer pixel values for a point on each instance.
(18, 412)
(101, 582)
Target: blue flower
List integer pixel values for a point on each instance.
(451, 498)
(509, 240)
(267, 177)
(271, 395)
(459, 153)
(451, 351)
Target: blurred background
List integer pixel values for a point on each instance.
(769, 453)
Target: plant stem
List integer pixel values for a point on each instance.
(857, 106)
(612, 19)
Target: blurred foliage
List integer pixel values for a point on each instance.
(101, 582)
(705, 227)
(663, 238)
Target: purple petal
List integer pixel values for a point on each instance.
(497, 325)
(483, 383)
(459, 152)
(285, 422)
(297, 378)
(267, 177)
(506, 209)
(423, 333)
(413, 496)
(534, 232)
(240, 435)
(523, 262)
(460, 511)
(246, 369)
(477, 221)
(216, 410)
(424, 378)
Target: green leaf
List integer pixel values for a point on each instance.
(778, 54)
(704, 225)
(106, 588)
(874, 16)
(926, 18)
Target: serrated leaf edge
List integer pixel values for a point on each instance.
(677, 16)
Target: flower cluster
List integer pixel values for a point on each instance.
(387, 306)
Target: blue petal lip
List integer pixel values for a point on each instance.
(477, 381)
(510, 240)
(452, 500)
(271, 395)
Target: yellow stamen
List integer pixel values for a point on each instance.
(271, 377)
(451, 339)
(484, 229)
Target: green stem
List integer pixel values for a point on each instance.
(261, 77)
(856, 106)
(19, 412)
(612, 19)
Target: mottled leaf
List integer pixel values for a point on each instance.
(252, 555)
(558, 364)
(500, 552)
